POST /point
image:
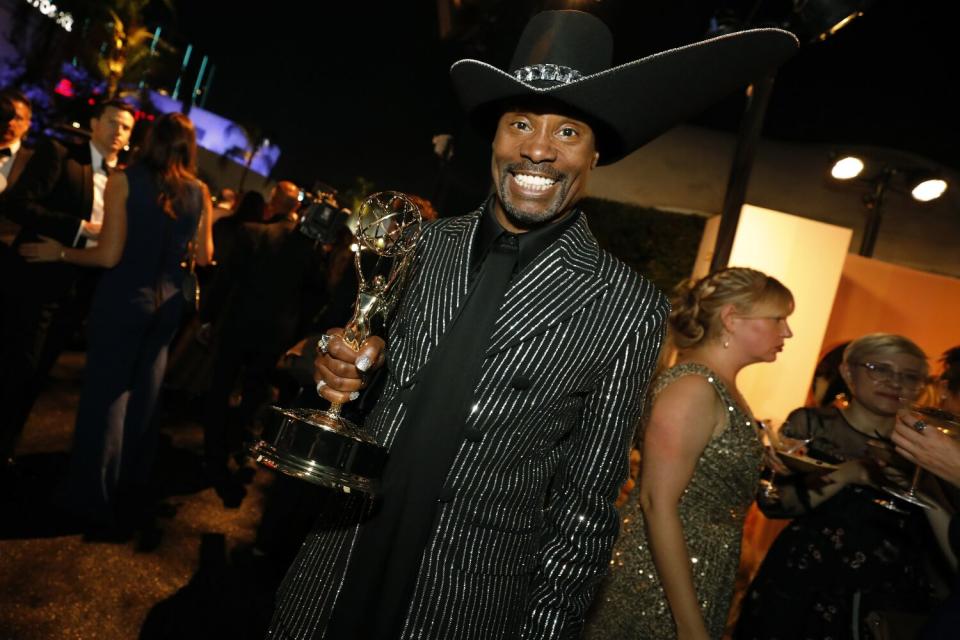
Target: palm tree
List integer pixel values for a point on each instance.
(128, 51)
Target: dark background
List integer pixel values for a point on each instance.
(359, 88)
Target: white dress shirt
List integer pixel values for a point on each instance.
(99, 183)
(6, 164)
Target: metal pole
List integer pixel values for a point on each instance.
(874, 203)
(196, 85)
(206, 87)
(739, 178)
(183, 67)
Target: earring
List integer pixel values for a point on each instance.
(726, 344)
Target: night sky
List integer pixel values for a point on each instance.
(358, 88)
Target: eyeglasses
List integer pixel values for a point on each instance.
(884, 373)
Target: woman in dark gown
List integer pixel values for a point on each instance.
(846, 559)
(151, 212)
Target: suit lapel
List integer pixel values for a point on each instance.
(448, 278)
(23, 156)
(439, 291)
(558, 283)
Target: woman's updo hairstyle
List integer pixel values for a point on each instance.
(695, 317)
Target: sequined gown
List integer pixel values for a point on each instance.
(631, 603)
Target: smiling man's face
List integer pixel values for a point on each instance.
(540, 166)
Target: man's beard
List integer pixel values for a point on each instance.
(526, 219)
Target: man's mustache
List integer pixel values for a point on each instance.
(537, 169)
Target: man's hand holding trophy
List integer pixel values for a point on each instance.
(321, 446)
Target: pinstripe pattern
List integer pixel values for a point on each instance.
(520, 548)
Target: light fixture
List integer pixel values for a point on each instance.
(923, 184)
(847, 168)
(929, 190)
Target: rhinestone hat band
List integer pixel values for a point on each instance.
(550, 72)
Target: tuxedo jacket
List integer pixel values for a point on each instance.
(527, 520)
(19, 162)
(7, 227)
(53, 194)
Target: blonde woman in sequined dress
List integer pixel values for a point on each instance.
(674, 564)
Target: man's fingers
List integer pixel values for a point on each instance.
(335, 382)
(336, 396)
(370, 355)
(341, 369)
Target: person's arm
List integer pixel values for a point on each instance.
(581, 519)
(113, 234)
(23, 203)
(932, 449)
(682, 422)
(798, 493)
(939, 454)
(204, 246)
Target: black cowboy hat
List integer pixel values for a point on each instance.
(564, 58)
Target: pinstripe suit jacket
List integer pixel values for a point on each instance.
(526, 533)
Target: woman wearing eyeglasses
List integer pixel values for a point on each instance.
(846, 560)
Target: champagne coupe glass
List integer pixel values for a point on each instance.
(934, 418)
(781, 444)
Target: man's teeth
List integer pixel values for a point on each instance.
(533, 182)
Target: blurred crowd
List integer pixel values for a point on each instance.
(215, 301)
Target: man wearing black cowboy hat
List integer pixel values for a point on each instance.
(517, 362)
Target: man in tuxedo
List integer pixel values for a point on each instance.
(516, 363)
(58, 195)
(15, 114)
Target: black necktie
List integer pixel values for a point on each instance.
(383, 573)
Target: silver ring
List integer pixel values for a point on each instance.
(919, 425)
(320, 385)
(323, 344)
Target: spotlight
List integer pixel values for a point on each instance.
(847, 168)
(924, 184)
(929, 189)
